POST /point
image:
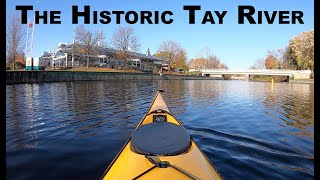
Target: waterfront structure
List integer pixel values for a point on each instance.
(66, 56)
(34, 63)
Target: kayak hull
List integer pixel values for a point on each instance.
(129, 164)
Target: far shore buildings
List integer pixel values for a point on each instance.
(65, 56)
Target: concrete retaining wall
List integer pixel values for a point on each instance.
(14, 77)
(302, 75)
(303, 81)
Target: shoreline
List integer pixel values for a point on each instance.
(23, 76)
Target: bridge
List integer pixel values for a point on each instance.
(295, 74)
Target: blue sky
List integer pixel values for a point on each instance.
(237, 45)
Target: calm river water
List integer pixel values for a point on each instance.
(248, 130)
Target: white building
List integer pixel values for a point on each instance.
(65, 56)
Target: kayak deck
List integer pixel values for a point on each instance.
(191, 164)
(129, 165)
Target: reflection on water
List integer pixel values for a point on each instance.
(247, 129)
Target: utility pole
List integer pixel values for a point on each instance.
(34, 19)
(26, 50)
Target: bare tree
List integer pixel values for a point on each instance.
(205, 52)
(207, 60)
(223, 66)
(87, 42)
(125, 40)
(168, 49)
(258, 64)
(214, 62)
(14, 39)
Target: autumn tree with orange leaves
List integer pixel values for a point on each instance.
(174, 53)
(272, 63)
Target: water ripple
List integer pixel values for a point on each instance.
(248, 130)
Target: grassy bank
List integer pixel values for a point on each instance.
(96, 69)
(101, 69)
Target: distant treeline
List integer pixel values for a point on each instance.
(297, 55)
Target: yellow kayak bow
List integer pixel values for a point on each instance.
(160, 148)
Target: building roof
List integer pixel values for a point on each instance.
(68, 48)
